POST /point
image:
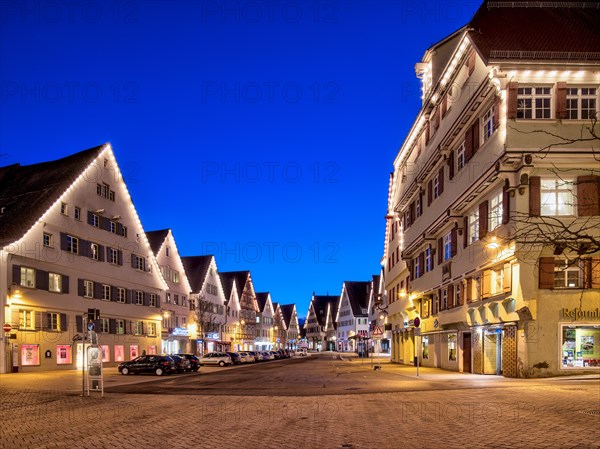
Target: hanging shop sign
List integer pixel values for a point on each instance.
(181, 332)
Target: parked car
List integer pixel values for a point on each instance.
(181, 363)
(194, 361)
(277, 354)
(270, 355)
(300, 352)
(216, 358)
(236, 359)
(247, 357)
(157, 364)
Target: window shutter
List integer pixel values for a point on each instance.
(85, 249)
(120, 229)
(475, 136)
(80, 287)
(469, 144)
(120, 257)
(78, 323)
(505, 203)
(595, 272)
(429, 192)
(63, 241)
(534, 196)
(469, 290)
(588, 197)
(105, 223)
(422, 263)
(463, 293)
(112, 326)
(483, 219)
(434, 305)
(440, 250)
(465, 231)
(587, 272)
(485, 284)
(454, 240)
(129, 296)
(16, 274)
(39, 320)
(114, 293)
(64, 322)
(65, 284)
(451, 165)
(90, 218)
(41, 280)
(412, 212)
(158, 303)
(436, 119)
(546, 274)
(441, 180)
(511, 112)
(97, 290)
(471, 62)
(101, 253)
(507, 278)
(146, 298)
(496, 112)
(451, 296)
(561, 100)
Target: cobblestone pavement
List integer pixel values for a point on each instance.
(551, 413)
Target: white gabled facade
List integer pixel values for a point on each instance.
(88, 250)
(352, 328)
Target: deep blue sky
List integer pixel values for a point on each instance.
(263, 132)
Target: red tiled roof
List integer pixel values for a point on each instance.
(537, 30)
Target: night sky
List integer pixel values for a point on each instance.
(261, 132)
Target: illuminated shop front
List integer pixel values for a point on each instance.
(580, 346)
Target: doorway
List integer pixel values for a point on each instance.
(466, 359)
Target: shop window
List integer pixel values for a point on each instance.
(64, 355)
(580, 346)
(451, 347)
(105, 353)
(119, 351)
(557, 197)
(30, 355)
(425, 343)
(567, 273)
(134, 351)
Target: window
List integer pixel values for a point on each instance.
(176, 299)
(113, 227)
(26, 320)
(183, 301)
(72, 244)
(488, 124)
(428, 260)
(152, 300)
(137, 327)
(436, 187)
(461, 158)
(496, 211)
(581, 103)
(88, 289)
(64, 209)
(95, 221)
(139, 297)
(120, 326)
(167, 251)
(534, 102)
(168, 297)
(448, 246)
(557, 197)
(104, 325)
(579, 346)
(27, 277)
(474, 226)
(418, 268)
(120, 294)
(451, 347)
(497, 281)
(418, 206)
(54, 282)
(47, 240)
(477, 289)
(113, 256)
(138, 262)
(151, 328)
(106, 292)
(444, 299)
(184, 321)
(567, 273)
(95, 251)
(104, 191)
(457, 294)
(111, 195)
(123, 231)
(175, 277)
(77, 213)
(52, 321)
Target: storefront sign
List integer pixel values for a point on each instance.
(580, 314)
(181, 332)
(212, 336)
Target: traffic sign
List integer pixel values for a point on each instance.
(377, 332)
(7, 327)
(417, 322)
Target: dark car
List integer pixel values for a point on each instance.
(194, 361)
(157, 364)
(235, 358)
(181, 363)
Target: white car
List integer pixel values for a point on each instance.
(301, 352)
(247, 357)
(216, 358)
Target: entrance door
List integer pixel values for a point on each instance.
(492, 353)
(466, 359)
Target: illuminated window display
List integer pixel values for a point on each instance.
(452, 347)
(152, 349)
(580, 346)
(134, 351)
(119, 353)
(105, 353)
(425, 344)
(63, 355)
(30, 355)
